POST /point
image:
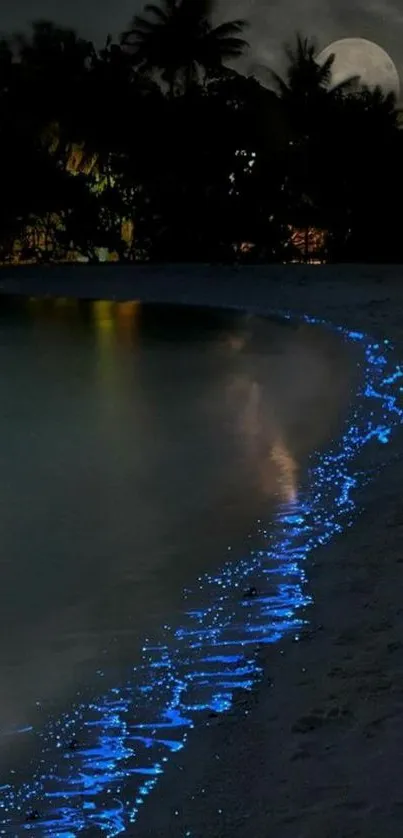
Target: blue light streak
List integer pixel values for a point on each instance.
(97, 764)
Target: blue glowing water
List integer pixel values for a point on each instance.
(98, 763)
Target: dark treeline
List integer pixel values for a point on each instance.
(153, 148)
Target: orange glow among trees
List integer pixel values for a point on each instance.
(310, 242)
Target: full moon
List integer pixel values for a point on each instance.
(359, 57)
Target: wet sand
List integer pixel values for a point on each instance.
(314, 751)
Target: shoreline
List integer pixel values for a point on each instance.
(369, 297)
(315, 748)
(321, 735)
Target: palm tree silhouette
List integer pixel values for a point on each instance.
(178, 40)
(309, 100)
(306, 77)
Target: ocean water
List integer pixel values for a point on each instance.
(140, 444)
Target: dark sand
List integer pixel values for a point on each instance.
(315, 751)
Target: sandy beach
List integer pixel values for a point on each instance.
(314, 751)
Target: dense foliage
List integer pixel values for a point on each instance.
(152, 148)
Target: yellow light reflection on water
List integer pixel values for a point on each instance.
(115, 337)
(104, 324)
(115, 318)
(108, 316)
(53, 308)
(127, 320)
(102, 312)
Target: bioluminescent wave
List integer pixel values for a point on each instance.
(96, 764)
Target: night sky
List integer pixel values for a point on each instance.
(271, 23)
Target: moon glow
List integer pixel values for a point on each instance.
(359, 57)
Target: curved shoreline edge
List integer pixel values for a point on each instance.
(301, 530)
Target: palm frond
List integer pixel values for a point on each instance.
(234, 45)
(177, 37)
(141, 24)
(229, 28)
(279, 82)
(346, 84)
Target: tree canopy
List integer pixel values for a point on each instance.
(179, 39)
(155, 147)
